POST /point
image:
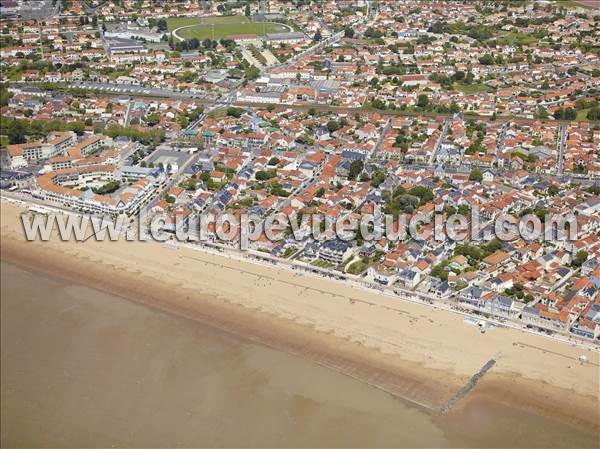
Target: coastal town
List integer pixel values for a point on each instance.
(336, 108)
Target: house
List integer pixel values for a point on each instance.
(285, 38)
(502, 282)
(498, 258)
(589, 207)
(409, 278)
(542, 316)
(407, 34)
(592, 315)
(499, 305)
(546, 261)
(440, 289)
(588, 266)
(488, 176)
(217, 176)
(459, 263)
(369, 131)
(382, 274)
(119, 46)
(313, 164)
(474, 296)
(335, 251)
(586, 328)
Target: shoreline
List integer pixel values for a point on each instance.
(425, 376)
(253, 326)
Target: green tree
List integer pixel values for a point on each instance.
(423, 101)
(476, 175)
(5, 96)
(565, 114)
(333, 125)
(424, 194)
(251, 72)
(161, 24)
(487, 59)
(355, 168)
(593, 114)
(16, 133)
(263, 175)
(579, 258)
(232, 111)
(439, 271)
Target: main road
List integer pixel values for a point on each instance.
(561, 144)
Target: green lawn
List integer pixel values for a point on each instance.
(470, 89)
(221, 27)
(358, 267)
(176, 22)
(582, 114)
(322, 264)
(515, 38)
(218, 113)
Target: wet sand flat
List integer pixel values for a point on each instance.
(84, 368)
(88, 369)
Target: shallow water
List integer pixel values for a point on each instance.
(88, 369)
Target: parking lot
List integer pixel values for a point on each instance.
(132, 89)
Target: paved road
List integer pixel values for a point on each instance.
(439, 141)
(223, 103)
(384, 132)
(128, 113)
(561, 145)
(500, 140)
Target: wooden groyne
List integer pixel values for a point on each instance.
(467, 387)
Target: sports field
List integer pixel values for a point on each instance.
(220, 27)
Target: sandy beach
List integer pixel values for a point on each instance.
(411, 351)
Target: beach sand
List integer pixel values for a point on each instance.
(409, 350)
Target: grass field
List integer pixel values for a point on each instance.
(218, 113)
(221, 27)
(514, 38)
(472, 88)
(176, 22)
(582, 114)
